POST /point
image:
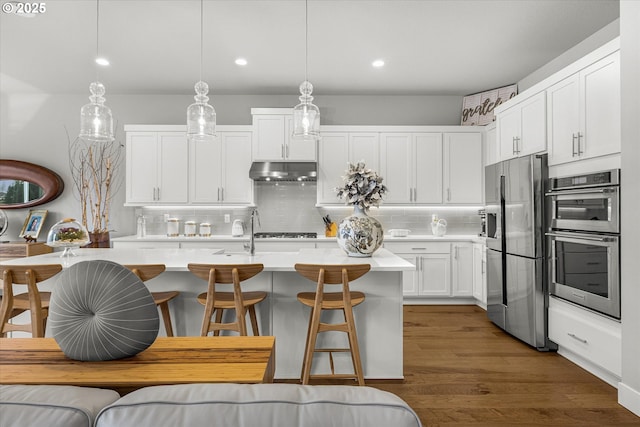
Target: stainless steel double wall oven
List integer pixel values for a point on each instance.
(584, 239)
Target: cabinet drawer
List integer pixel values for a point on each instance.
(332, 244)
(418, 247)
(589, 335)
(283, 246)
(203, 245)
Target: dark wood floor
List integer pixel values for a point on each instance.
(461, 370)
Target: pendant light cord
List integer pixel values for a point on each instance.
(201, 36)
(306, 38)
(97, 36)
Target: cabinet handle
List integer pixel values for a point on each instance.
(580, 152)
(287, 151)
(158, 199)
(573, 145)
(482, 265)
(222, 192)
(282, 150)
(415, 194)
(577, 338)
(218, 193)
(513, 145)
(418, 249)
(448, 194)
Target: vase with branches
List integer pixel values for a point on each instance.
(94, 170)
(360, 235)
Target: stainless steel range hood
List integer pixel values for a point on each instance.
(283, 171)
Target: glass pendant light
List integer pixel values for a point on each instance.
(306, 116)
(96, 121)
(201, 117)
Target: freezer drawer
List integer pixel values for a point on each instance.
(495, 297)
(525, 316)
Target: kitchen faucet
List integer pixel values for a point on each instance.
(251, 246)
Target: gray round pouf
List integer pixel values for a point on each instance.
(100, 310)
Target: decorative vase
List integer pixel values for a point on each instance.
(359, 235)
(99, 239)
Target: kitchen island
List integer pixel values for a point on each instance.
(378, 319)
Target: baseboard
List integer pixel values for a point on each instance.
(606, 376)
(629, 398)
(439, 301)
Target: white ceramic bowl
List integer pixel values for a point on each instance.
(399, 232)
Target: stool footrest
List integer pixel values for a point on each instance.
(333, 376)
(333, 350)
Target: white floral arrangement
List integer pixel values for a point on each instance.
(362, 187)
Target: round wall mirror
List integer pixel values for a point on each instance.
(24, 184)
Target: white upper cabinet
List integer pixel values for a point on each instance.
(463, 171)
(156, 168)
(521, 128)
(412, 167)
(335, 150)
(272, 137)
(219, 169)
(491, 154)
(584, 113)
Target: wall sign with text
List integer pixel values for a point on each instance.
(477, 109)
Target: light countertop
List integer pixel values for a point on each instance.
(177, 259)
(244, 238)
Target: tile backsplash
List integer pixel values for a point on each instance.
(291, 206)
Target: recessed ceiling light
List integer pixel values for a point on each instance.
(378, 63)
(241, 61)
(102, 61)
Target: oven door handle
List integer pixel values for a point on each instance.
(603, 190)
(583, 237)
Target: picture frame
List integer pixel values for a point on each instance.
(477, 109)
(33, 223)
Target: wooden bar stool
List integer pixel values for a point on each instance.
(33, 300)
(147, 272)
(320, 300)
(220, 301)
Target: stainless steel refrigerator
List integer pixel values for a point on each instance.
(517, 284)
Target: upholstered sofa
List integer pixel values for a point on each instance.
(204, 405)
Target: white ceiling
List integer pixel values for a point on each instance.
(431, 47)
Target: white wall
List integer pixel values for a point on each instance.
(629, 388)
(32, 129)
(589, 44)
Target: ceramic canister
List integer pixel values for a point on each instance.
(190, 228)
(173, 227)
(205, 229)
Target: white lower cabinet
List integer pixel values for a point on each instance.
(432, 277)
(145, 245)
(262, 246)
(480, 273)
(461, 269)
(435, 275)
(590, 340)
(443, 269)
(329, 244)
